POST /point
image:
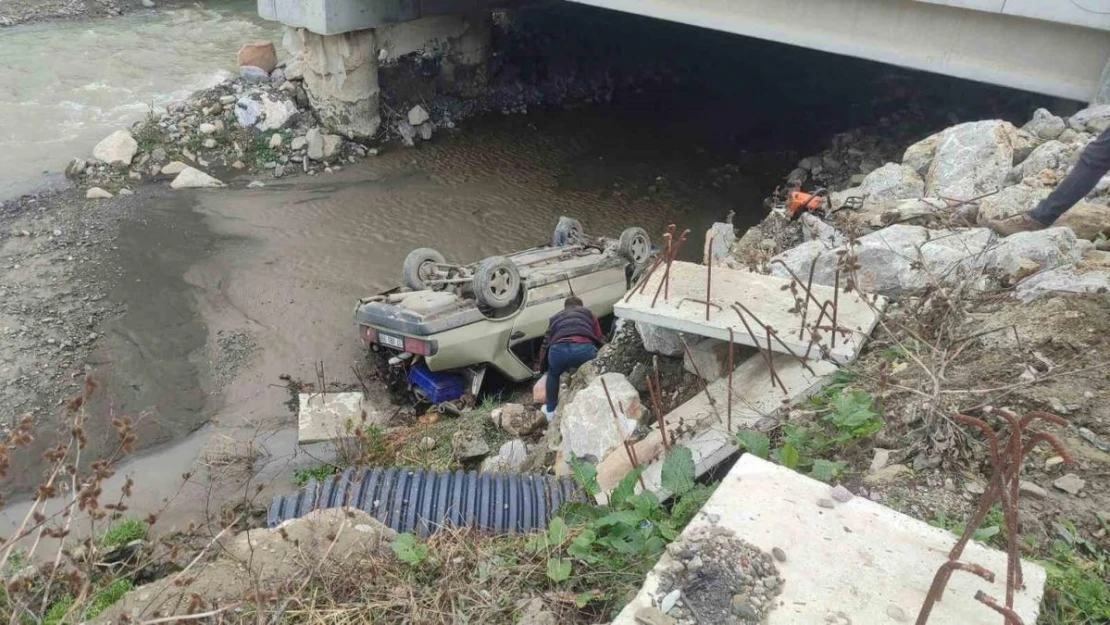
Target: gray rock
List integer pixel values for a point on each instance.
(797, 176)
(816, 229)
(888, 475)
(117, 148)
(825, 503)
(417, 115)
(841, 494)
(664, 341)
(1070, 483)
(96, 193)
(1062, 280)
(516, 419)
(669, 601)
(971, 159)
(251, 74)
(425, 131)
(648, 615)
(247, 111)
(407, 133)
(919, 156)
(275, 114)
(892, 182)
(158, 155)
(1049, 248)
(277, 76)
(75, 168)
(173, 168)
(1049, 155)
(975, 488)
(721, 236)
(880, 460)
(1086, 219)
(191, 178)
(508, 459)
(207, 128)
(779, 554)
(275, 140)
(1045, 125)
(468, 446)
(587, 426)
(148, 3)
(1032, 490)
(314, 141)
(1010, 201)
(709, 359)
(279, 170)
(1093, 120)
(298, 143)
(331, 145)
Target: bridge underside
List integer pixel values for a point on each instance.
(1049, 57)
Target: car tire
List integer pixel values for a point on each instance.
(567, 232)
(416, 267)
(635, 245)
(496, 282)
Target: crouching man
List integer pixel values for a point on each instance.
(572, 339)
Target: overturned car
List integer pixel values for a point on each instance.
(437, 336)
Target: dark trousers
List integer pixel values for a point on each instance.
(561, 357)
(1093, 164)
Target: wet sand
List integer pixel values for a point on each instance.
(280, 268)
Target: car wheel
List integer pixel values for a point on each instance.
(635, 245)
(567, 232)
(496, 282)
(420, 266)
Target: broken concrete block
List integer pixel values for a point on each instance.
(587, 424)
(328, 416)
(709, 359)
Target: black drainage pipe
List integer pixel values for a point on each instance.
(419, 501)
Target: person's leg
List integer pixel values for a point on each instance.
(556, 364)
(1093, 164)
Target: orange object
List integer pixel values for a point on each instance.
(799, 201)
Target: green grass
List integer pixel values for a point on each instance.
(477, 422)
(1078, 585)
(62, 612)
(124, 531)
(319, 473)
(990, 531)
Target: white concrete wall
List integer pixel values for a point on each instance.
(1050, 57)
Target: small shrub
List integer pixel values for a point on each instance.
(408, 550)
(124, 531)
(319, 473)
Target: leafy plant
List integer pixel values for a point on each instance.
(1078, 579)
(847, 415)
(319, 473)
(124, 531)
(63, 612)
(408, 550)
(988, 530)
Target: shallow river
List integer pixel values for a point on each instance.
(66, 85)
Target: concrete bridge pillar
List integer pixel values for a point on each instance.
(340, 71)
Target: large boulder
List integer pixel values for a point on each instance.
(276, 113)
(892, 182)
(587, 424)
(1010, 201)
(260, 54)
(1087, 220)
(1049, 248)
(1093, 120)
(816, 229)
(919, 156)
(664, 341)
(117, 148)
(192, 178)
(516, 419)
(1045, 125)
(971, 159)
(1063, 280)
(918, 210)
(1053, 155)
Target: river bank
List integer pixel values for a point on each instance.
(15, 12)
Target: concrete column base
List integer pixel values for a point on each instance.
(340, 75)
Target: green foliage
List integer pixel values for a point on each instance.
(683, 510)
(989, 531)
(368, 446)
(558, 569)
(319, 473)
(847, 415)
(124, 531)
(408, 550)
(1078, 579)
(586, 475)
(57, 612)
(103, 598)
(63, 612)
(678, 471)
(753, 442)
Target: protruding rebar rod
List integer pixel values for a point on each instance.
(762, 352)
(940, 580)
(1011, 617)
(731, 346)
(709, 279)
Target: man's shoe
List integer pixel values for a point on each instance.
(547, 415)
(1014, 225)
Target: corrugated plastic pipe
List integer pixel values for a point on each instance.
(419, 501)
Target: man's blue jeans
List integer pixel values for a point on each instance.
(561, 357)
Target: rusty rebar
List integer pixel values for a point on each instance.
(809, 290)
(1014, 577)
(731, 346)
(940, 580)
(762, 352)
(657, 407)
(775, 334)
(620, 430)
(709, 278)
(645, 279)
(1012, 618)
(672, 252)
(835, 303)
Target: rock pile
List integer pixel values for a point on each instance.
(715, 577)
(905, 225)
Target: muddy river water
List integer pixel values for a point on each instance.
(225, 291)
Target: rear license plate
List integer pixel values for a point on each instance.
(391, 341)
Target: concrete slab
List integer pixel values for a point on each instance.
(328, 416)
(858, 562)
(697, 424)
(768, 297)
